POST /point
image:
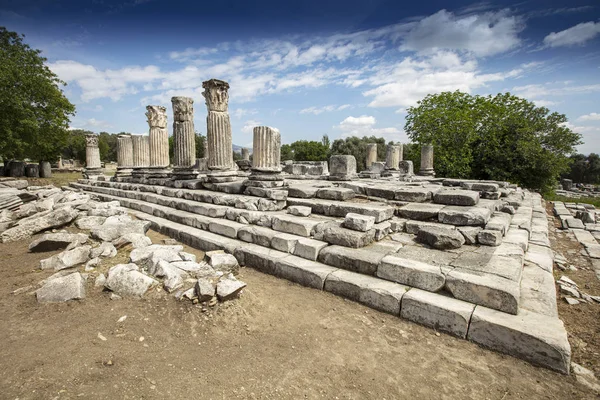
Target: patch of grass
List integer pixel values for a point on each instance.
(58, 179)
(595, 201)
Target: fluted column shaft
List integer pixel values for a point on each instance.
(184, 137)
(92, 152)
(218, 138)
(141, 151)
(426, 160)
(392, 157)
(371, 154)
(245, 154)
(266, 149)
(124, 152)
(158, 136)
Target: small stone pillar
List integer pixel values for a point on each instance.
(245, 154)
(218, 131)
(141, 155)
(371, 154)
(124, 155)
(342, 168)
(93, 165)
(158, 139)
(266, 166)
(392, 157)
(46, 169)
(427, 160)
(184, 139)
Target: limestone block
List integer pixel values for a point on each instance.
(413, 227)
(456, 197)
(309, 248)
(64, 288)
(469, 233)
(205, 290)
(489, 237)
(440, 238)
(364, 261)
(338, 235)
(229, 288)
(305, 272)
(412, 273)
(538, 291)
(499, 222)
(340, 194)
(420, 211)
(484, 289)
(284, 242)
(376, 293)
(438, 312)
(480, 186)
(300, 226)
(225, 227)
(257, 235)
(574, 223)
(127, 280)
(413, 195)
(464, 216)
(359, 222)
(519, 237)
(299, 211)
(537, 338)
(57, 241)
(342, 166)
(302, 191)
(36, 224)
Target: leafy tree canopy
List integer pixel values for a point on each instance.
(357, 147)
(584, 169)
(500, 137)
(34, 112)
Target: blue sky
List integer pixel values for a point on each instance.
(313, 67)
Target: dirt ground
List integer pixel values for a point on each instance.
(278, 341)
(582, 320)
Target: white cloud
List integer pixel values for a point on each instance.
(483, 34)
(545, 103)
(364, 125)
(582, 129)
(249, 126)
(320, 110)
(575, 35)
(343, 107)
(590, 117)
(241, 112)
(554, 89)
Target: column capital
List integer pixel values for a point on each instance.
(157, 116)
(216, 95)
(91, 139)
(183, 108)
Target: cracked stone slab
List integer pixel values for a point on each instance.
(537, 338)
(464, 216)
(301, 226)
(419, 211)
(538, 291)
(436, 311)
(457, 197)
(355, 260)
(412, 273)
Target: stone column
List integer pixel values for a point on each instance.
(124, 155)
(401, 151)
(141, 151)
(392, 157)
(218, 130)
(184, 138)
(245, 154)
(158, 139)
(266, 154)
(371, 154)
(93, 166)
(427, 160)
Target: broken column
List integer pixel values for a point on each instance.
(371, 154)
(342, 168)
(218, 131)
(266, 166)
(184, 139)
(93, 166)
(141, 155)
(393, 157)
(124, 155)
(158, 142)
(245, 154)
(427, 160)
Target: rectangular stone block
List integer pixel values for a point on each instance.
(359, 222)
(412, 273)
(438, 312)
(537, 338)
(464, 216)
(335, 193)
(413, 227)
(338, 235)
(457, 197)
(413, 195)
(376, 293)
(499, 222)
(284, 242)
(355, 260)
(257, 235)
(538, 290)
(420, 211)
(301, 226)
(309, 248)
(304, 272)
(225, 227)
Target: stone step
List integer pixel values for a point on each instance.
(381, 212)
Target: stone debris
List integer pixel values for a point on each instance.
(300, 211)
(57, 241)
(67, 259)
(205, 290)
(229, 288)
(27, 227)
(105, 250)
(224, 262)
(127, 280)
(358, 222)
(440, 238)
(586, 377)
(64, 288)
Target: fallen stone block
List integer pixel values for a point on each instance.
(456, 197)
(413, 195)
(537, 338)
(205, 290)
(355, 260)
(464, 216)
(358, 222)
(420, 211)
(489, 238)
(229, 288)
(127, 280)
(67, 259)
(64, 288)
(376, 293)
(440, 238)
(338, 235)
(26, 228)
(437, 311)
(224, 262)
(111, 231)
(144, 254)
(412, 273)
(469, 233)
(106, 250)
(57, 241)
(137, 240)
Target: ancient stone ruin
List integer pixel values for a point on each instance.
(470, 258)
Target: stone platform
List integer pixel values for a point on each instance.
(468, 258)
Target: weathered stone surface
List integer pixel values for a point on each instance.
(225, 227)
(257, 235)
(342, 167)
(376, 293)
(137, 240)
(436, 311)
(205, 290)
(480, 186)
(412, 273)
(57, 241)
(337, 235)
(456, 197)
(224, 262)
(469, 233)
(67, 259)
(309, 248)
(574, 223)
(300, 226)
(302, 191)
(413, 227)
(537, 338)
(413, 195)
(586, 377)
(584, 237)
(420, 211)
(464, 216)
(127, 280)
(335, 193)
(229, 288)
(299, 211)
(440, 238)
(508, 267)
(489, 238)
(355, 260)
(359, 222)
(284, 242)
(52, 219)
(518, 237)
(106, 250)
(144, 254)
(111, 231)
(64, 288)
(499, 222)
(484, 289)
(538, 292)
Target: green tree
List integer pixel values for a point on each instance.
(286, 152)
(357, 147)
(500, 137)
(305, 150)
(584, 169)
(200, 146)
(75, 146)
(34, 112)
